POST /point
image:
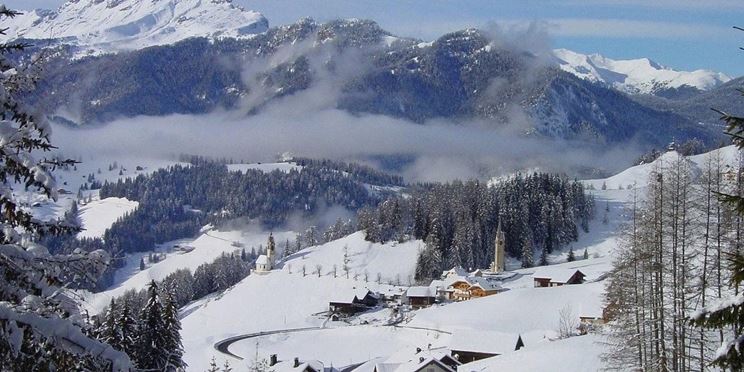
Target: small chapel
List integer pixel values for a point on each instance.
(265, 262)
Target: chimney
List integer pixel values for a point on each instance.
(272, 360)
(296, 362)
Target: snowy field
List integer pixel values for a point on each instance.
(395, 263)
(98, 215)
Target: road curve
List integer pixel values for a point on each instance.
(223, 346)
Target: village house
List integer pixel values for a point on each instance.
(466, 288)
(296, 365)
(556, 277)
(438, 360)
(419, 297)
(471, 345)
(352, 301)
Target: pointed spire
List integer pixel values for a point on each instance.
(520, 343)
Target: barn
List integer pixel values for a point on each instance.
(556, 277)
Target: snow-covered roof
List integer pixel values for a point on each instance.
(288, 366)
(455, 271)
(420, 291)
(262, 260)
(483, 341)
(556, 275)
(347, 295)
(484, 283)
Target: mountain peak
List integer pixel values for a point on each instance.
(635, 76)
(111, 25)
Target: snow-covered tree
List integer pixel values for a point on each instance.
(173, 344)
(41, 327)
(152, 340)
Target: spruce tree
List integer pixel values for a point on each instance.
(571, 256)
(173, 344)
(41, 327)
(527, 260)
(109, 330)
(586, 254)
(544, 257)
(127, 327)
(152, 352)
(213, 366)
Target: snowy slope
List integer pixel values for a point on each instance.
(639, 175)
(393, 262)
(281, 300)
(132, 24)
(636, 75)
(207, 247)
(99, 215)
(575, 354)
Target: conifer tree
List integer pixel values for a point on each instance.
(109, 330)
(41, 327)
(527, 260)
(152, 346)
(571, 256)
(172, 342)
(127, 327)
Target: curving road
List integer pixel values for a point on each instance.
(223, 346)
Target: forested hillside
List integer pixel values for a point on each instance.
(538, 213)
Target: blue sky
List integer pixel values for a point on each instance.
(683, 34)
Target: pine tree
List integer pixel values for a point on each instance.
(172, 343)
(527, 260)
(586, 254)
(152, 352)
(571, 256)
(109, 330)
(544, 257)
(213, 366)
(48, 332)
(142, 264)
(127, 326)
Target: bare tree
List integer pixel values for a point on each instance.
(567, 322)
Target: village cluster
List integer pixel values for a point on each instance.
(455, 285)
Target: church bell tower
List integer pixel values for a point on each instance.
(498, 264)
(271, 250)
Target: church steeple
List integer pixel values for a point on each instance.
(499, 263)
(271, 249)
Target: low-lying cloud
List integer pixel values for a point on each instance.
(308, 124)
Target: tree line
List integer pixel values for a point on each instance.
(671, 263)
(539, 213)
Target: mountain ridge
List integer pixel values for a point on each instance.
(102, 26)
(637, 76)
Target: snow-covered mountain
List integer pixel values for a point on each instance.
(109, 25)
(636, 76)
